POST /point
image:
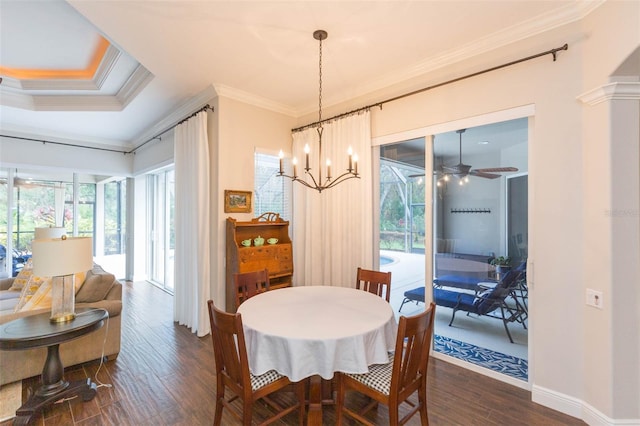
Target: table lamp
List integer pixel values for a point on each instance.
(49, 232)
(62, 257)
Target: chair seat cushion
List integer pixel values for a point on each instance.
(264, 379)
(450, 298)
(457, 281)
(378, 377)
(416, 294)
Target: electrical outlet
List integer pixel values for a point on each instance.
(594, 298)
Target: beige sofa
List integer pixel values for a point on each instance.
(100, 289)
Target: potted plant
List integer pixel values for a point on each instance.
(502, 264)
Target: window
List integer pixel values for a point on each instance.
(115, 196)
(272, 193)
(86, 209)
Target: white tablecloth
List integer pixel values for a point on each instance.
(302, 331)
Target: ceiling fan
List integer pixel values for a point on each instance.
(462, 171)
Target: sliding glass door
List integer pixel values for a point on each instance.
(480, 215)
(402, 231)
(161, 208)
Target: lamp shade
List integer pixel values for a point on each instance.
(53, 257)
(50, 232)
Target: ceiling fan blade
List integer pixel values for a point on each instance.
(458, 168)
(497, 169)
(482, 174)
(417, 175)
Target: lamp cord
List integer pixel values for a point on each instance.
(104, 344)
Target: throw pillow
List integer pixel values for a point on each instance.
(22, 278)
(97, 285)
(37, 292)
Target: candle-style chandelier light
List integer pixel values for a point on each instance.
(319, 184)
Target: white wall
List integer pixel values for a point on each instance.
(154, 155)
(241, 128)
(34, 155)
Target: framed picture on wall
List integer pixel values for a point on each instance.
(237, 201)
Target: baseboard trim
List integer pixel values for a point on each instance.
(576, 408)
(557, 401)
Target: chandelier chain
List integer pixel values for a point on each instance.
(320, 85)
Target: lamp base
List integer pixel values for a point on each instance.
(65, 317)
(63, 299)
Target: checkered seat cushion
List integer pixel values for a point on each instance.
(264, 379)
(378, 377)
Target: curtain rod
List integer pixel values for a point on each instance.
(133, 151)
(204, 108)
(424, 89)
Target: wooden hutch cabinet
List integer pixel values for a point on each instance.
(277, 258)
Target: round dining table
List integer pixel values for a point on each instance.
(315, 331)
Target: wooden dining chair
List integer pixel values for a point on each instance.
(392, 384)
(248, 284)
(232, 373)
(375, 282)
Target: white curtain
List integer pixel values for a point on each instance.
(332, 230)
(192, 224)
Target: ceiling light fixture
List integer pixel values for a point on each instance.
(318, 184)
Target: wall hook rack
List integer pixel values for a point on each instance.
(471, 210)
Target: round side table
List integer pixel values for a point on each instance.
(37, 331)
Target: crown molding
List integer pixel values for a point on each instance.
(134, 85)
(49, 84)
(129, 90)
(258, 101)
(15, 91)
(109, 61)
(77, 103)
(16, 100)
(178, 114)
(612, 91)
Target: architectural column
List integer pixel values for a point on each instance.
(612, 251)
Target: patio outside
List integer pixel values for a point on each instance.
(408, 272)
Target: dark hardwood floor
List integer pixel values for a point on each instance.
(164, 376)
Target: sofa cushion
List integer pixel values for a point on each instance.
(8, 300)
(96, 285)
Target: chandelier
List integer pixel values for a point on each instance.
(318, 183)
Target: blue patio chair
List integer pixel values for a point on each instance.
(489, 302)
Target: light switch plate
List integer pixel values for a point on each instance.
(594, 298)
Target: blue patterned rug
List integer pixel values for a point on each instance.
(496, 361)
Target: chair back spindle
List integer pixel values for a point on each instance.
(248, 284)
(375, 282)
